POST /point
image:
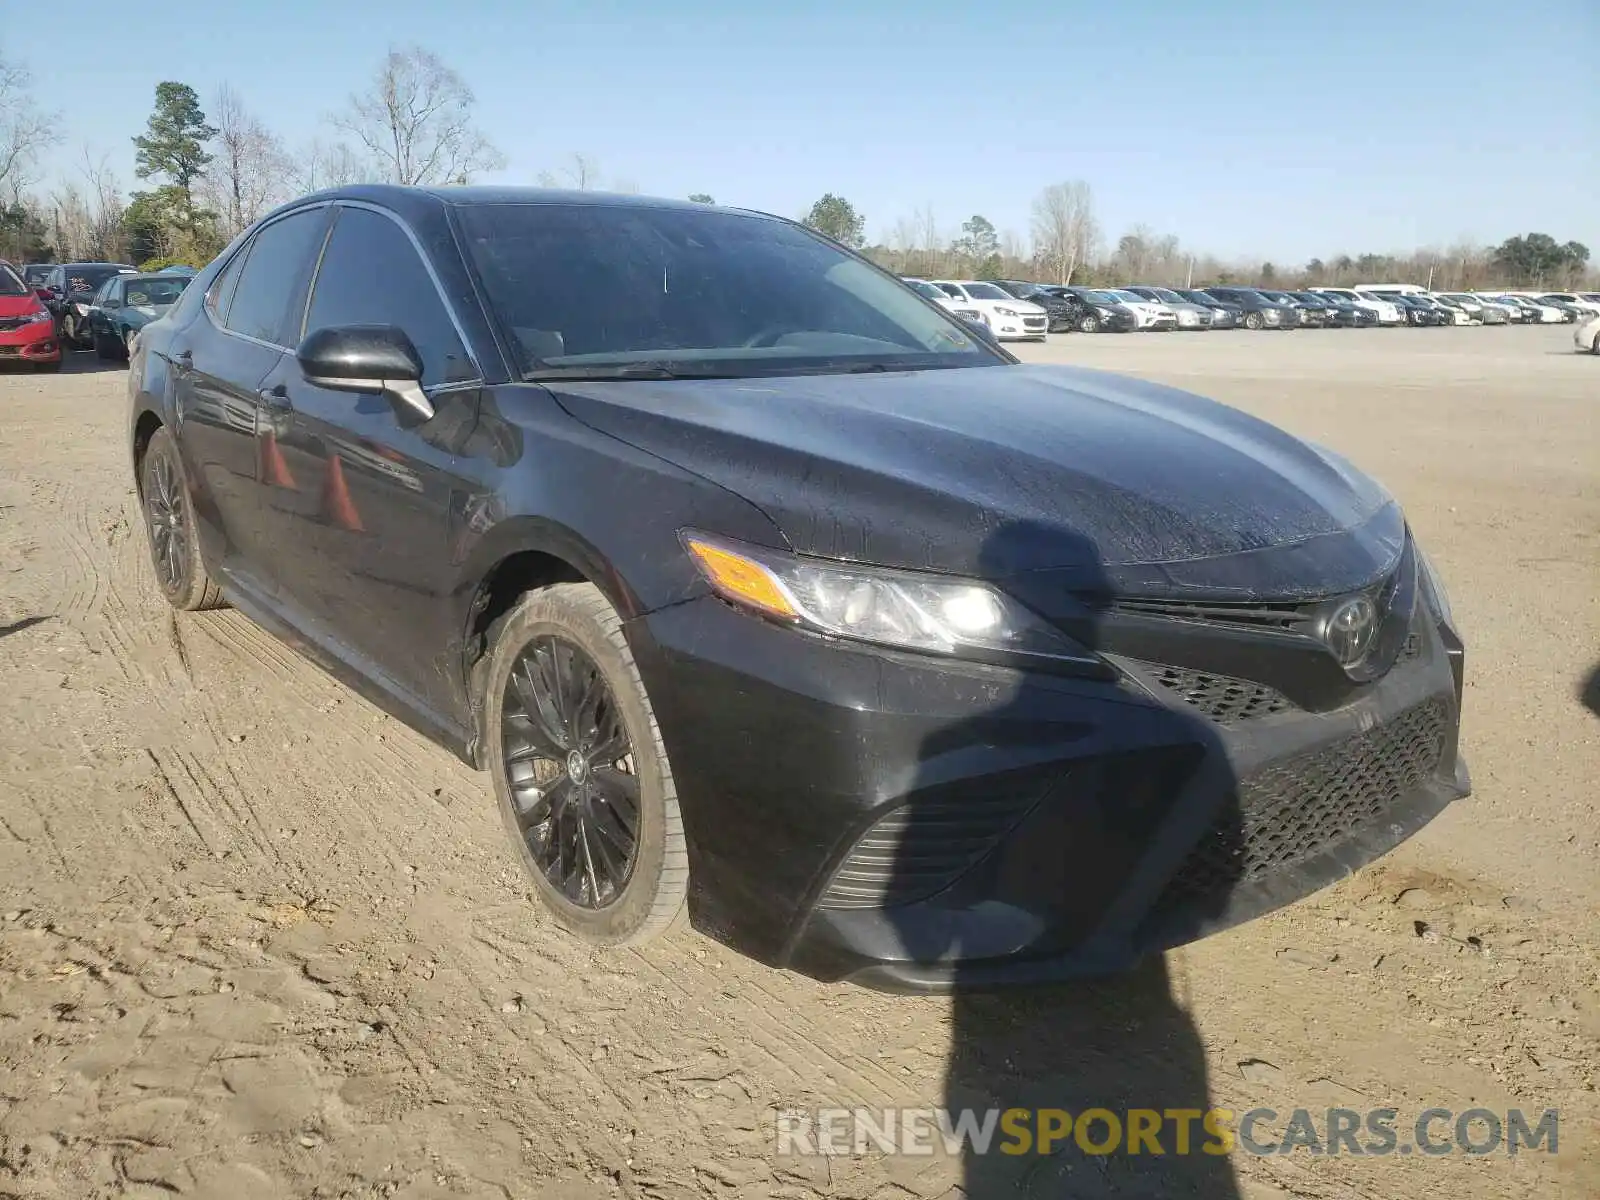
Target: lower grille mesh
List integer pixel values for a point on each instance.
(1224, 699)
(1295, 809)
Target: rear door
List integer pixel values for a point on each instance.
(367, 550)
(220, 362)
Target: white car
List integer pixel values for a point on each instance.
(1546, 314)
(1008, 318)
(1577, 300)
(965, 311)
(1508, 312)
(1152, 314)
(1587, 336)
(1387, 311)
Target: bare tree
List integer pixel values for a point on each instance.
(1064, 229)
(86, 219)
(26, 130)
(320, 165)
(416, 120)
(249, 172)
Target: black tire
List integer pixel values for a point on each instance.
(1253, 320)
(649, 897)
(170, 529)
(1089, 323)
(102, 347)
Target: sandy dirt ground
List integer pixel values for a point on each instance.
(259, 940)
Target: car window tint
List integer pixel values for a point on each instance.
(371, 274)
(280, 257)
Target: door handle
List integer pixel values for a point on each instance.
(276, 396)
(184, 362)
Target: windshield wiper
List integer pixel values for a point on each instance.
(579, 372)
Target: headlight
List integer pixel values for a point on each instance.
(909, 610)
(1106, 312)
(83, 309)
(1433, 587)
(1007, 312)
(1273, 316)
(36, 318)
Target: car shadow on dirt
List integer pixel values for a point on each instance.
(19, 625)
(87, 362)
(1109, 1042)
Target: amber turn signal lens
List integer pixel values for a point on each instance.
(742, 580)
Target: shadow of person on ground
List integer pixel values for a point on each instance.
(1589, 694)
(1081, 865)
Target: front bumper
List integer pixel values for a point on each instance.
(34, 342)
(916, 823)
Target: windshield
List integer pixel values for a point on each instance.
(35, 275)
(987, 291)
(1097, 297)
(11, 283)
(1132, 297)
(1169, 296)
(87, 280)
(153, 291)
(668, 291)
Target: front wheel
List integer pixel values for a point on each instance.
(580, 770)
(1089, 323)
(170, 524)
(1253, 320)
(104, 347)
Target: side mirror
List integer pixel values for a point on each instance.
(367, 358)
(111, 302)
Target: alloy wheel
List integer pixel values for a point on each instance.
(570, 768)
(169, 535)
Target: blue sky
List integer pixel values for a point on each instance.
(1283, 129)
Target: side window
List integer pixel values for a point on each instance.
(950, 289)
(105, 291)
(371, 274)
(221, 290)
(280, 257)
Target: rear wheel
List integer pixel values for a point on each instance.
(169, 522)
(579, 768)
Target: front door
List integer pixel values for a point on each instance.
(366, 552)
(221, 362)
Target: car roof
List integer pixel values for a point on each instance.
(413, 201)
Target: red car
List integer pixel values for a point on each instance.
(27, 330)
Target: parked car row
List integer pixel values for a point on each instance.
(1017, 310)
(48, 309)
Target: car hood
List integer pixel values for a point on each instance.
(20, 306)
(143, 314)
(1110, 482)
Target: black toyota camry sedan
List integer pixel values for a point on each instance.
(765, 591)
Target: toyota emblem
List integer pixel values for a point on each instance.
(1350, 629)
